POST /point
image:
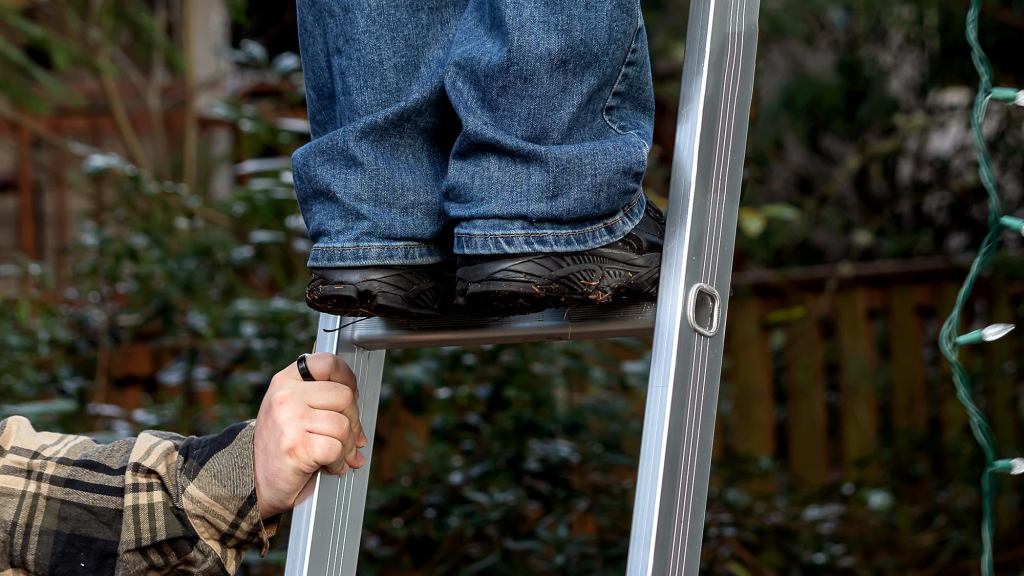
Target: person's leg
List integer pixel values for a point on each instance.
(370, 182)
(556, 104)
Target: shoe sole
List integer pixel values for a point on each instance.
(535, 282)
(391, 294)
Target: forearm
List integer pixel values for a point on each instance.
(153, 504)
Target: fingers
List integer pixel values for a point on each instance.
(305, 426)
(334, 389)
(339, 427)
(327, 452)
(336, 398)
(325, 413)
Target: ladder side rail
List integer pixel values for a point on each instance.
(679, 421)
(327, 521)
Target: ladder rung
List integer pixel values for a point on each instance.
(581, 323)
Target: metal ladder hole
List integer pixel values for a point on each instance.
(703, 309)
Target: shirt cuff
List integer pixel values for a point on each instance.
(218, 488)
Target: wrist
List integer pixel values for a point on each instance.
(264, 504)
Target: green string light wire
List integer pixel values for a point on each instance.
(948, 336)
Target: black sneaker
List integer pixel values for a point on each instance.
(385, 291)
(627, 269)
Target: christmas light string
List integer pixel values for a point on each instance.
(949, 339)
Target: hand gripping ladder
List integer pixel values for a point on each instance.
(688, 322)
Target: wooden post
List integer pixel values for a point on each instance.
(806, 411)
(753, 415)
(858, 381)
(1000, 371)
(206, 37)
(909, 391)
(1001, 400)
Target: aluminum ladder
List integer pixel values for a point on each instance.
(688, 326)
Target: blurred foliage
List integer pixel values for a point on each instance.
(519, 459)
(206, 279)
(45, 43)
(860, 127)
(516, 477)
(521, 478)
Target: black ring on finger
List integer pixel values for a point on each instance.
(300, 363)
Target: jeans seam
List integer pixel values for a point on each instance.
(373, 247)
(588, 230)
(618, 81)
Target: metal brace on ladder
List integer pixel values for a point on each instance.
(688, 324)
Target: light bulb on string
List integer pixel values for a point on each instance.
(986, 334)
(1008, 95)
(1011, 466)
(1013, 224)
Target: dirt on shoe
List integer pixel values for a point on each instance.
(627, 269)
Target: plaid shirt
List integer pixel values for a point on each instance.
(156, 504)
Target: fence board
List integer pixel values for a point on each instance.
(1000, 371)
(806, 410)
(999, 389)
(909, 391)
(753, 402)
(857, 381)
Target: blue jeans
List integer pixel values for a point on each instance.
(471, 127)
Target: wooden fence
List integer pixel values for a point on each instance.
(827, 366)
(833, 374)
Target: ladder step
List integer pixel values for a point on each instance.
(579, 323)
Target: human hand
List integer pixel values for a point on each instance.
(304, 426)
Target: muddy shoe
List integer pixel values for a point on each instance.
(627, 269)
(386, 291)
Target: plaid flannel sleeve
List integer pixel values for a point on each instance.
(156, 504)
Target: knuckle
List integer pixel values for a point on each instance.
(281, 399)
(286, 416)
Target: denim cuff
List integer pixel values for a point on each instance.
(396, 254)
(519, 237)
